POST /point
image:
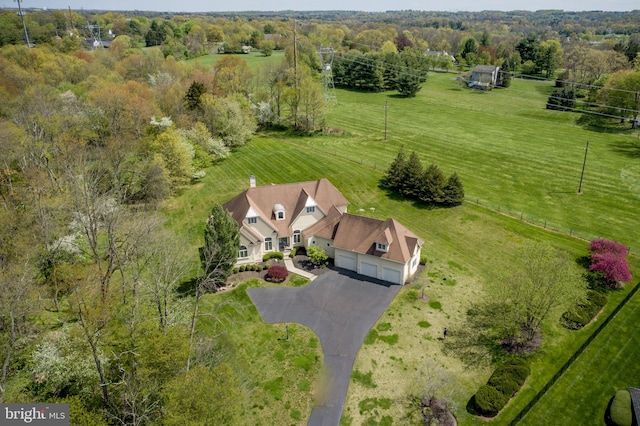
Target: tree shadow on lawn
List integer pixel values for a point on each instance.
(629, 148)
(599, 124)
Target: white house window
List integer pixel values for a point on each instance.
(311, 209)
(381, 247)
(252, 220)
(414, 263)
(243, 252)
(280, 215)
(296, 237)
(268, 244)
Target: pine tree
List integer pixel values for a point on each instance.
(408, 84)
(412, 182)
(220, 251)
(505, 73)
(433, 183)
(396, 173)
(453, 191)
(193, 97)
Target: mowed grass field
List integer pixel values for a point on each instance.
(464, 244)
(510, 152)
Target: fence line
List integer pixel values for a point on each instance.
(573, 357)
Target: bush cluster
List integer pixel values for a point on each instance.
(583, 312)
(427, 185)
(505, 381)
(277, 273)
(272, 255)
(247, 268)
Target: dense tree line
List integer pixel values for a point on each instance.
(91, 142)
(375, 72)
(408, 178)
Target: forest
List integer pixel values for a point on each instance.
(106, 116)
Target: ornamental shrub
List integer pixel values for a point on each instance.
(621, 414)
(277, 273)
(489, 401)
(504, 384)
(272, 255)
(583, 312)
(242, 268)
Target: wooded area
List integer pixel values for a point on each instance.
(98, 299)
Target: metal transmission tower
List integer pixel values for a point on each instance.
(326, 58)
(94, 31)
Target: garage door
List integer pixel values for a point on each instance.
(391, 275)
(347, 262)
(369, 269)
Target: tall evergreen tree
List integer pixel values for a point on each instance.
(396, 173)
(193, 97)
(220, 251)
(505, 73)
(453, 191)
(412, 182)
(433, 182)
(408, 84)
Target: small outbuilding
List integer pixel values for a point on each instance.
(484, 77)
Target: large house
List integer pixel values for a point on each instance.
(280, 217)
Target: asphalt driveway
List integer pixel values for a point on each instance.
(340, 307)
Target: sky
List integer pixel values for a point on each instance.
(302, 5)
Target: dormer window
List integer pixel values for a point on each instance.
(311, 209)
(382, 247)
(278, 211)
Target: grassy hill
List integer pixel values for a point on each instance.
(513, 156)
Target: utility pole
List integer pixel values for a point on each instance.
(295, 74)
(24, 25)
(584, 163)
(295, 53)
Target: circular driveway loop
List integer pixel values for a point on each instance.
(340, 307)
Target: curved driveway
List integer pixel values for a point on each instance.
(340, 307)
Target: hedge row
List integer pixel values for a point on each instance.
(244, 268)
(505, 381)
(272, 255)
(583, 312)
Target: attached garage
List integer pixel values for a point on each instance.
(392, 275)
(369, 269)
(346, 262)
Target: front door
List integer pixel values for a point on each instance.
(283, 243)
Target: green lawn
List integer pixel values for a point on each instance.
(278, 374)
(510, 152)
(516, 157)
(609, 364)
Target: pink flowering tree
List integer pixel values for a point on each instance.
(609, 258)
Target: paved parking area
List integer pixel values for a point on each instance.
(340, 307)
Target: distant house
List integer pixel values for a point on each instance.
(246, 49)
(484, 77)
(302, 214)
